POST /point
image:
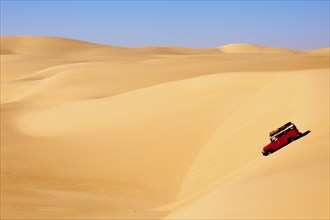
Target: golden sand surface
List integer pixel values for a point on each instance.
(91, 131)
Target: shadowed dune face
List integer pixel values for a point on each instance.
(93, 131)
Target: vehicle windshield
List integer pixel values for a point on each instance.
(272, 139)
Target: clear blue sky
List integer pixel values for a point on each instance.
(290, 24)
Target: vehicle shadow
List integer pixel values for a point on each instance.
(303, 134)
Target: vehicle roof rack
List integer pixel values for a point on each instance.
(281, 129)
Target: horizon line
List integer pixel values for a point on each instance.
(163, 46)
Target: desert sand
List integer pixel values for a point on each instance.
(103, 132)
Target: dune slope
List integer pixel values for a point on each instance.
(93, 131)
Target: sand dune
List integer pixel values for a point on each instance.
(95, 131)
(324, 51)
(252, 48)
(33, 45)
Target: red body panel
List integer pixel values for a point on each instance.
(281, 141)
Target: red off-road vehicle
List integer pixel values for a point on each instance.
(281, 137)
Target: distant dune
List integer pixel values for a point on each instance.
(251, 48)
(325, 51)
(34, 45)
(90, 131)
